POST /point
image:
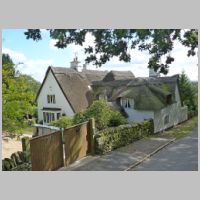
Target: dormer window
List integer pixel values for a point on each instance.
(127, 103)
(169, 99)
(103, 97)
(51, 98)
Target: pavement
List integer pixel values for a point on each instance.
(149, 154)
(182, 155)
(121, 159)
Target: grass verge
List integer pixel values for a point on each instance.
(182, 129)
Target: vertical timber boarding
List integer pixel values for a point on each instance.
(78, 142)
(47, 152)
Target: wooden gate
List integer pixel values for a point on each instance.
(47, 152)
(76, 143)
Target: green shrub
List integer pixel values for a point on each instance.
(80, 117)
(100, 111)
(116, 119)
(63, 122)
(112, 138)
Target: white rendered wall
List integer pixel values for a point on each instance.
(51, 87)
(137, 115)
(177, 114)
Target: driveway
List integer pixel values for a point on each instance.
(182, 155)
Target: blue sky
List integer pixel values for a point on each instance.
(37, 56)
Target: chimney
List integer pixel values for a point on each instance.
(74, 64)
(84, 67)
(152, 73)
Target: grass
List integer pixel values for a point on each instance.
(182, 129)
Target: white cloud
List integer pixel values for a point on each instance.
(138, 64)
(16, 56)
(35, 68)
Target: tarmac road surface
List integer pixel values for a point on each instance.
(182, 155)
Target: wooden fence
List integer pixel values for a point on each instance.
(47, 152)
(52, 151)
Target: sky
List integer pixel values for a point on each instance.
(37, 56)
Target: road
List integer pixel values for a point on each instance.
(182, 155)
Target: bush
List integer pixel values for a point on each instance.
(63, 122)
(112, 138)
(117, 119)
(101, 112)
(80, 117)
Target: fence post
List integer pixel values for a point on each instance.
(25, 144)
(92, 133)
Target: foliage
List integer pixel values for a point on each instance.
(112, 138)
(101, 112)
(189, 94)
(63, 122)
(181, 129)
(18, 96)
(116, 119)
(80, 117)
(117, 42)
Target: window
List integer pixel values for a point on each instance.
(127, 103)
(102, 97)
(166, 119)
(169, 99)
(48, 98)
(58, 115)
(48, 117)
(51, 98)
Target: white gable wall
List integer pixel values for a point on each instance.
(176, 113)
(51, 87)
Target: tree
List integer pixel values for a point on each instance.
(18, 96)
(187, 92)
(118, 42)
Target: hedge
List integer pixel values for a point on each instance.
(112, 138)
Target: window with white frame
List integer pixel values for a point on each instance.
(51, 98)
(48, 117)
(127, 103)
(102, 97)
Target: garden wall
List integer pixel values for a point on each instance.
(20, 160)
(112, 138)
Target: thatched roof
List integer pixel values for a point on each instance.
(94, 75)
(74, 85)
(118, 75)
(148, 93)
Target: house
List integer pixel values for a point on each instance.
(66, 91)
(144, 98)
